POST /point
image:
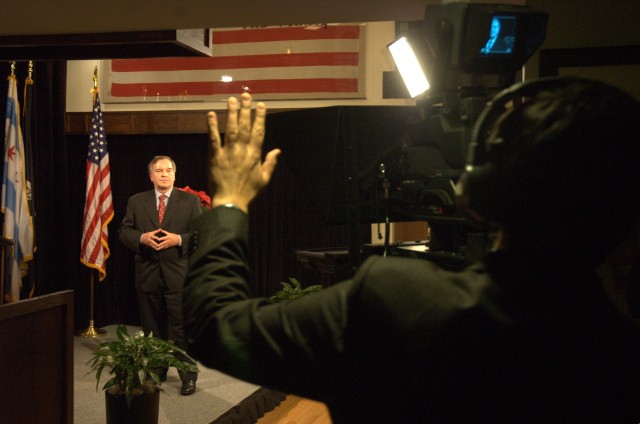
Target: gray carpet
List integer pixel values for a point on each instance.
(217, 393)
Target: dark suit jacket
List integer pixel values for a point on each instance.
(516, 338)
(501, 45)
(142, 217)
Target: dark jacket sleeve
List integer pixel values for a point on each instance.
(361, 346)
(284, 345)
(128, 233)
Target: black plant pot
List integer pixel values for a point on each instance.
(144, 409)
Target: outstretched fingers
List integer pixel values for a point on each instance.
(214, 132)
(236, 170)
(231, 134)
(244, 119)
(269, 165)
(258, 129)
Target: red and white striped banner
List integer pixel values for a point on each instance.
(288, 62)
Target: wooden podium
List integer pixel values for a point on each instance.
(36, 359)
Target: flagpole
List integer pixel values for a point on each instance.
(86, 256)
(12, 65)
(91, 331)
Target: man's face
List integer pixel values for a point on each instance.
(495, 28)
(162, 175)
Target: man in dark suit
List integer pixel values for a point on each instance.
(156, 228)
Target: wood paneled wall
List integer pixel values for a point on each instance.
(147, 122)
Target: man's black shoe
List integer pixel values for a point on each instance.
(188, 387)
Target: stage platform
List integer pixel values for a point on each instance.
(219, 399)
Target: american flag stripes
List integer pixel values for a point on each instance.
(292, 62)
(98, 208)
(17, 229)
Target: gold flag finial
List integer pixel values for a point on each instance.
(13, 68)
(29, 80)
(94, 90)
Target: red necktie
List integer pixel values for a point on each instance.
(161, 208)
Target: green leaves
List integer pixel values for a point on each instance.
(293, 290)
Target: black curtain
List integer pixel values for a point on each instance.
(283, 219)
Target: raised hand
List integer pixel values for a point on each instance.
(236, 170)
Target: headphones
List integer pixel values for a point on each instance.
(478, 189)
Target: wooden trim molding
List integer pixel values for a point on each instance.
(165, 122)
(147, 122)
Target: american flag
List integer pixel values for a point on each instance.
(292, 62)
(98, 208)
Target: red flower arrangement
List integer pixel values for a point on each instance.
(205, 200)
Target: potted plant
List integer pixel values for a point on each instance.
(134, 362)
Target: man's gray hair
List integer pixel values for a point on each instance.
(156, 159)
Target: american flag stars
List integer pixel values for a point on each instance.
(97, 137)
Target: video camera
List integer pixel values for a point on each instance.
(372, 164)
(465, 53)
